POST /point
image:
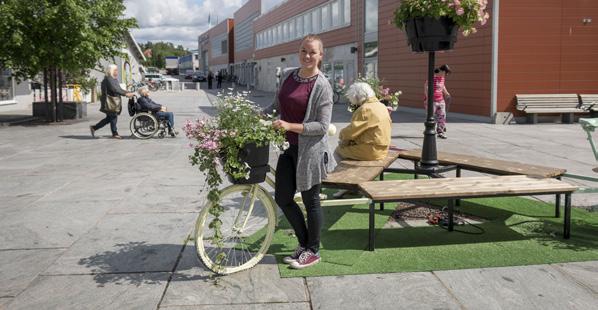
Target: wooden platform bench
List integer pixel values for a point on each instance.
(348, 174)
(489, 166)
(461, 188)
(565, 104)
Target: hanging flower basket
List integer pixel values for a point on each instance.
(429, 34)
(256, 158)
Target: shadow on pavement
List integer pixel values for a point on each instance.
(141, 263)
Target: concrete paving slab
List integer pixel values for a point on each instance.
(48, 224)
(158, 202)
(271, 306)
(89, 292)
(526, 287)
(584, 273)
(20, 267)
(418, 290)
(32, 185)
(95, 189)
(5, 301)
(191, 285)
(128, 243)
(20, 201)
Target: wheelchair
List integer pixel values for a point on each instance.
(145, 124)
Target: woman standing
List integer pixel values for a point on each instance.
(304, 101)
(110, 87)
(440, 93)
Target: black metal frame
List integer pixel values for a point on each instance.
(451, 205)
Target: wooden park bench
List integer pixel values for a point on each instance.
(565, 104)
(461, 188)
(349, 173)
(589, 102)
(490, 166)
(486, 165)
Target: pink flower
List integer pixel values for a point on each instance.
(460, 11)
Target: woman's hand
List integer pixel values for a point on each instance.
(296, 128)
(281, 124)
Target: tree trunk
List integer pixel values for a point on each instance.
(48, 100)
(46, 85)
(60, 107)
(53, 94)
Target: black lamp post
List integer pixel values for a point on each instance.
(428, 34)
(429, 161)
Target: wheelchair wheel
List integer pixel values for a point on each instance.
(144, 125)
(247, 228)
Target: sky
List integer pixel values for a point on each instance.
(181, 21)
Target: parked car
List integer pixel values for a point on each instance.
(199, 77)
(189, 74)
(156, 77)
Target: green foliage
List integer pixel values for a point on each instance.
(161, 50)
(390, 99)
(72, 35)
(465, 13)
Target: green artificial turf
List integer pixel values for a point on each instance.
(517, 231)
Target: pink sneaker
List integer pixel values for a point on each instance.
(306, 259)
(293, 257)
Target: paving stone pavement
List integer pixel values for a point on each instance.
(104, 224)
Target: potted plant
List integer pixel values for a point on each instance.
(237, 140)
(432, 25)
(385, 95)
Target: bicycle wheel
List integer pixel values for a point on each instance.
(143, 125)
(247, 227)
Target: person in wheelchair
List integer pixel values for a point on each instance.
(146, 103)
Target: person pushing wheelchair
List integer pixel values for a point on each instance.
(146, 103)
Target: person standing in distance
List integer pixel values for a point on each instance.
(304, 101)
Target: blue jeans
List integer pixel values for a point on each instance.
(110, 118)
(167, 115)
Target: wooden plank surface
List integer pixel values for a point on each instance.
(349, 173)
(462, 187)
(487, 165)
(348, 177)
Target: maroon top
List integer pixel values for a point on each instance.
(293, 97)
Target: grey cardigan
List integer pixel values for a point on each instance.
(314, 159)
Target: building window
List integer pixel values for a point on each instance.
(299, 26)
(371, 16)
(6, 85)
(224, 46)
(278, 35)
(346, 12)
(292, 33)
(336, 19)
(334, 14)
(327, 70)
(325, 18)
(316, 20)
(307, 23)
(370, 49)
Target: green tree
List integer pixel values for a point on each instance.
(60, 37)
(161, 50)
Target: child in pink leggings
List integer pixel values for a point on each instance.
(440, 93)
